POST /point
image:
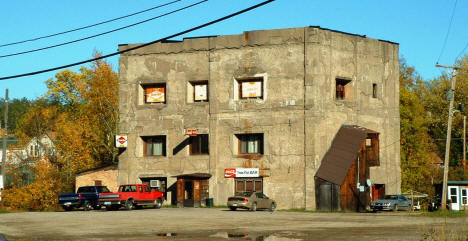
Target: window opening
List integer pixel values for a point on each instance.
(374, 90)
(200, 91)
(341, 88)
(250, 143)
(154, 93)
(199, 144)
(154, 145)
(251, 88)
(249, 185)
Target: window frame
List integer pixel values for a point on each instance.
(198, 140)
(374, 90)
(245, 138)
(194, 84)
(161, 138)
(341, 93)
(259, 79)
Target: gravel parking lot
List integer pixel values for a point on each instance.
(219, 224)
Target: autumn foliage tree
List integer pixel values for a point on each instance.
(81, 109)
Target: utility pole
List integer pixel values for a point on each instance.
(4, 148)
(449, 133)
(464, 142)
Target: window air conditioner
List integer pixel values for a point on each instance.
(155, 183)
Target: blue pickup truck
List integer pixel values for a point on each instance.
(86, 197)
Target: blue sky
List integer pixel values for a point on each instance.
(418, 26)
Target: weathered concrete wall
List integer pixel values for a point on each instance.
(299, 115)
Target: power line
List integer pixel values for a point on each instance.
(142, 45)
(89, 26)
(448, 31)
(100, 34)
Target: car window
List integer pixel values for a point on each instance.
(392, 197)
(132, 188)
(147, 189)
(103, 189)
(140, 188)
(259, 195)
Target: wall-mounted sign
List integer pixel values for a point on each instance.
(155, 95)
(191, 132)
(121, 141)
(241, 172)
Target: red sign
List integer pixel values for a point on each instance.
(121, 140)
(230, 172)
(191, 132)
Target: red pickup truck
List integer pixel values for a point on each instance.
(131, 196)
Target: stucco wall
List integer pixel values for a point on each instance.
(107, 175)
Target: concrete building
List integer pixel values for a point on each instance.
(271, 101)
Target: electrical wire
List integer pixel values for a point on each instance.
(104, 33)
(142, 45)
(448, 31)
(89, 26)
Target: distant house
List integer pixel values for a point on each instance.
(457, 194)
(36, 148)
(104, 175)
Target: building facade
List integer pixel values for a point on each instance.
(270, 101)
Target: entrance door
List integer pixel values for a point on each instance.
(453, 196)
(188, 193)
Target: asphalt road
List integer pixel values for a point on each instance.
(221, 224)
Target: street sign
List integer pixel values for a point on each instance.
(121, 141)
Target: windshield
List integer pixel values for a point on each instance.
(103, 189)
(393, 197)
(244, 194)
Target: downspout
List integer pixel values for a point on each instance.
(304, 127)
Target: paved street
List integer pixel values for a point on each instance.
(220, 224)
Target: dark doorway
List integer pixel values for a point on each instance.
(192, 189)
(378, 191)
(188, 193)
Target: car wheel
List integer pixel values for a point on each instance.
(158, 203)
(253, 208)
(233, 208)
(272, 207)
(87, 205)
(67, 208)
(395, 207)
(129, 204)
(96, 207)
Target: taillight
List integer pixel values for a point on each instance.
(79, 196)
(245, 200)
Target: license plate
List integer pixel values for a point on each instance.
(107, 203)
(234, 205)
(67, 203)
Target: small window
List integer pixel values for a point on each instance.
(97, 183)
(200, 91)
(147, 189)
(251, 88)
(250, 143)
(247, 185)
(341, 87)
(199, 144)
(154, 145)
(154, 93)
(140, 189)
(374, 90)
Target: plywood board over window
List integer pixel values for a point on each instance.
(251, 88)
(155, 93)
(200, 92)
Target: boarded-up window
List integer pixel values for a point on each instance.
(200, 91)
(199, 144)
(249, 185)
(154, 145)
(251, 88)
(341, 88)
(97, 183)
(155, 93)
(250, 143)
(372, 149)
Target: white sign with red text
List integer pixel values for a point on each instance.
(241, 172)
(121, 141)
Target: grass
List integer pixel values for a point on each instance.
(445, 214)
(4, 211)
